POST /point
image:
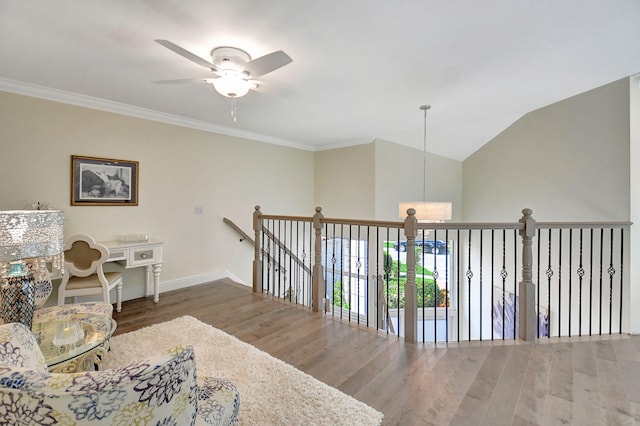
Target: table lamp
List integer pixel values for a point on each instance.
(25, 234)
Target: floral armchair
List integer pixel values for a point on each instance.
(160, 390)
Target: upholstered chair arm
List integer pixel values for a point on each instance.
(218, 402)
(19, 348)
(159, 390)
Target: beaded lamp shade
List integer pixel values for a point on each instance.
(26, 234)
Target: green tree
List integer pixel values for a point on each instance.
(428, 293)
(390, 267)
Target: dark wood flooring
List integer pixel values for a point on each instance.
(579, 381)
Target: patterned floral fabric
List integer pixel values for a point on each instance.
(75, 310)
(19, 348)
(161, 390)
(43, 287)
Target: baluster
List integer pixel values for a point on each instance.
(621, 274)
(611, 271)
(570, 275)
(580, 276)
(469, 275)
(601, 282)
(559, 282)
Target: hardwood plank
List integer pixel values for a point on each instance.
(581, 381)
(509, 385)
(529, 407)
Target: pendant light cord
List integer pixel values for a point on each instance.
(424, 108)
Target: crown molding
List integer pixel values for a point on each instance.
(346, 144)
(41, 92)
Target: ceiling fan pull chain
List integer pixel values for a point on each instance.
(233, 109)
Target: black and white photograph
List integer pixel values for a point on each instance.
(103, 181)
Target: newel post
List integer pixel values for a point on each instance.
(317, 283)
(410, 289)
(257, 259)
(526, 305)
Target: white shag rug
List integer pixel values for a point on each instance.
(272, 392)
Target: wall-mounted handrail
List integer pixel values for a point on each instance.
(243, 235)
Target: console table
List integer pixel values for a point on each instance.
(134, 254)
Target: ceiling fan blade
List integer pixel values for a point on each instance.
(271, 88)
(267, 63)
(185, 80)
(186, 54)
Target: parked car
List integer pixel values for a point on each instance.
(428, 246)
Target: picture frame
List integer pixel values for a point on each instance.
(103, 182)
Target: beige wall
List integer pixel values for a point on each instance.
(180, 168)
(570, 161)
(368, 181)
(399, 171)
(567, 161)
(344, 182)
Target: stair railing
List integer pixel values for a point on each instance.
(474, 287)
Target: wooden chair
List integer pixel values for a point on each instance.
(83, 274)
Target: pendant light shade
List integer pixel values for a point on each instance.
(431, 211)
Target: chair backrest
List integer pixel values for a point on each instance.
(159, 390)
(83, 256)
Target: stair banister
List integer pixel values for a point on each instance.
(318, 290)
(410, 289)
(526, 305)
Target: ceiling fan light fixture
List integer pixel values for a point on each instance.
(232, 68)
(231, 85)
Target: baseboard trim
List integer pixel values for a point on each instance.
(185, 282)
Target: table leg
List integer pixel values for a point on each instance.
(157, 267)
(147, 281)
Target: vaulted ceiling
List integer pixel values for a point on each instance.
(360, 70)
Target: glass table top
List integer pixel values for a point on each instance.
(64, 339)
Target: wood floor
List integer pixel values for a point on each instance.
(589, 382)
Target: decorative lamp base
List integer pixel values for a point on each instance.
(18, 300)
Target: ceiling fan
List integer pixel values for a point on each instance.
(233, 69)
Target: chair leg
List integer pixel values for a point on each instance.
(119, 297)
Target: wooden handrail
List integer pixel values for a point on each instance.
(275, 240)
(243, 235)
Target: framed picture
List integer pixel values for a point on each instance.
(103, 182)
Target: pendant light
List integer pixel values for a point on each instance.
(431, 211)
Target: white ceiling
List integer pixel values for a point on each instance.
(360, 70)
